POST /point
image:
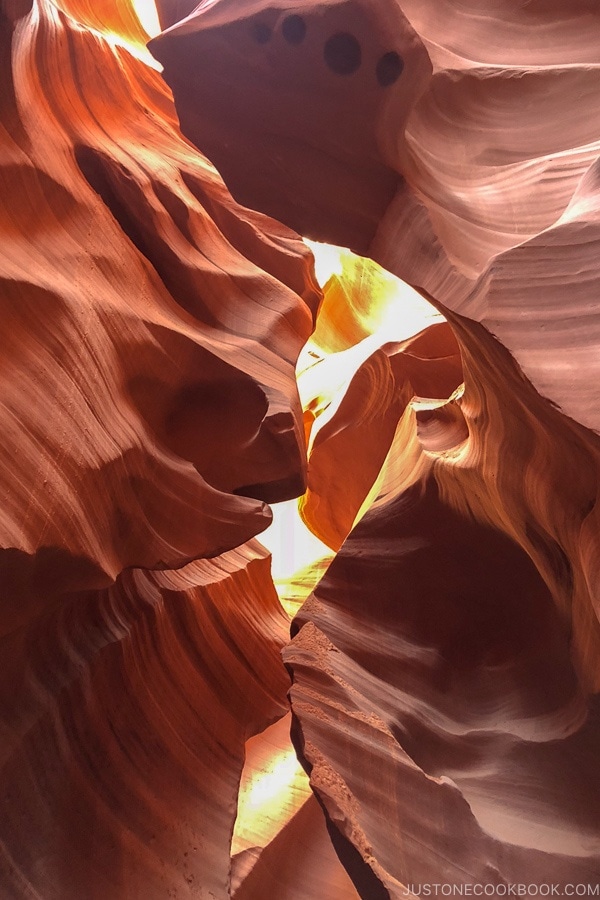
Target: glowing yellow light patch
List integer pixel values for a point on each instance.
(364, 308)
(281, 772)
(299, 558)
(273, 788)
(362, 301)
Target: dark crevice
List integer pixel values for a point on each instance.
(125, 199)
(362, 876)
(552, 554)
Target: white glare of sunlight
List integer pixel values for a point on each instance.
(298, 558)
(268, 785)
(292, 545)
(146, 12)
(328, 259)
(385, 308)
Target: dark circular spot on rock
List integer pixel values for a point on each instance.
(342, 53)
(293, 29)
(261, 32)
(389, 68)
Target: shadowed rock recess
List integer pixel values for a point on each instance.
(427, 721)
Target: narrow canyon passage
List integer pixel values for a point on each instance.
(375, 310)
(399, 688)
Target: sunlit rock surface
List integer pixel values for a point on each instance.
(485, 111)
(169, 365)
(152, 325)
(150, 330)
(280, 845)
(378, 346)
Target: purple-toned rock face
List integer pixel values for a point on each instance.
(437, 708)
(169, 365)
(308, 94)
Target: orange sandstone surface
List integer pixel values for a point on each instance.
(405, 693)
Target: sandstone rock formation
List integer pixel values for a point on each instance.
(170, 366)
(149, 408)
(490, 125)
(125, 712)
(120, 244)
(311, 91)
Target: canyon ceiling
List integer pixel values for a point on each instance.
(417, 703)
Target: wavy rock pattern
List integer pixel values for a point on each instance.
(510, 215)
(151, 327)
(365, 362)
(496, 219)
(119, 244)
(491, 192)
(124, 716)
(452, 647)
(438, 710)
(446, 667)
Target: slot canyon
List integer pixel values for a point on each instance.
(300, 449)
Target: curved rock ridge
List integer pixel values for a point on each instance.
(362, 300)
(124, 717)
(438, 711)
(499, 453)
(503, 146)
(504, 33)
(512, 473)
(446, 666)
(151, 328)
(350, 441)
(143, 310)
(378, 345)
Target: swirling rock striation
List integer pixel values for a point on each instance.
(438, 710)
(145, 311)
(445, 670)
(149, 409)
(124, 717)
(485, 112)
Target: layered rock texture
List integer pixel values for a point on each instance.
(149, 408)
(419, 706)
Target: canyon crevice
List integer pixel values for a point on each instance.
(342, 255)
